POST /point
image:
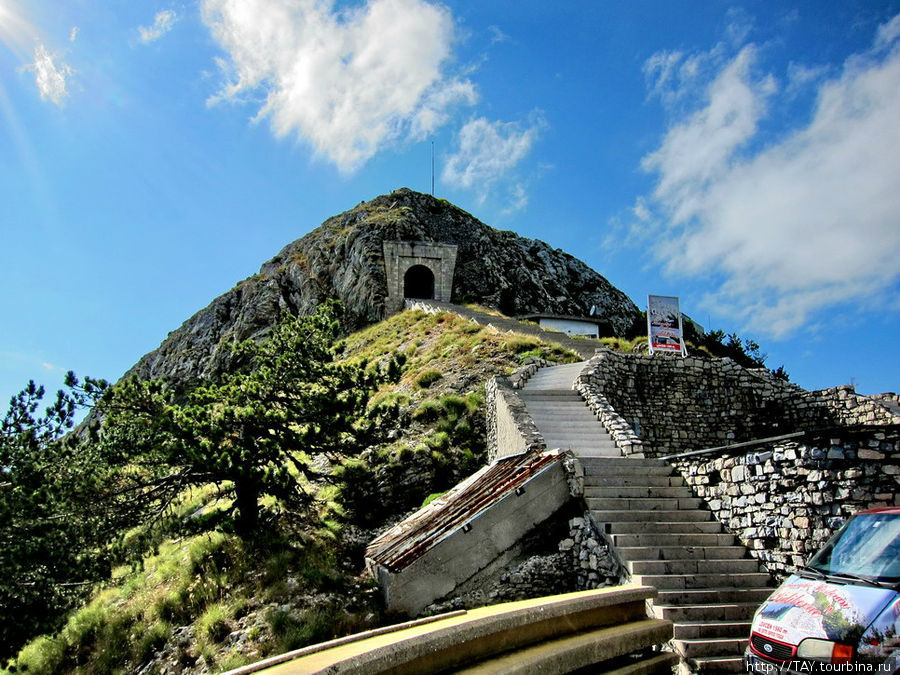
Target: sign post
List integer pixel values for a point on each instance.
(664, 330)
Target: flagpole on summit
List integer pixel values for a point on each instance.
(432, 168)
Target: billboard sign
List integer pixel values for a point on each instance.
(664, 324)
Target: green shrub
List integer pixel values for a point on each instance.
(429, 410)
(438, 441)
(43, 655)
(213, 624)
(427, 378)
(518, 344)
(234, 660)
(152, 640)
(454, 405)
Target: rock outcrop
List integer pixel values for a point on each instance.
(343, 258)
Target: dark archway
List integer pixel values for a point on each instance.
(418, 282)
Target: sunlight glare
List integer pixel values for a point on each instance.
(16, 33)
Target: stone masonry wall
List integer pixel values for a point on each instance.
(675, 405)
(510, 429)
(784, 500)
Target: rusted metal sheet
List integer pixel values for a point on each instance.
(411, 538)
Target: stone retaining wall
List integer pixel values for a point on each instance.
(674, 405)
(785, 499)
(616, 426)
(510, 429)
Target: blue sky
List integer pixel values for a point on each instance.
(743, 156)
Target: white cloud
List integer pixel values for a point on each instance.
(497, 35)
(50, 75)
(73, 34)
(793, 227)
(488, 151)
(349, 82)
(517, 199)
(163, 22)
(800, 75)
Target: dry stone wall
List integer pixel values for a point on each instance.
(673, 405)
(784, 500)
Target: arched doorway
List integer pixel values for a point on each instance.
(418, 282)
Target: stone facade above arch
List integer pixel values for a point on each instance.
(400, 256)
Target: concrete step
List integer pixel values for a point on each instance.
(737, 611)
(562, 413)
(715, 647)
(561, 418)
(581, 452)
(550, 382)
(569, 426)
(635, 480)
(694, 630)
(644, 504)
(701, 540)
(720, 664)
(551, 413)
(662, 527)
(681, 552)
(631, 492)
(559, 415)
(660, 663)
(544, 404)
(550, 395)
(596, 449)
(641, 470)
(704, 581)
(750, 597)
(619, 516)
(628, 462)
(598, 435)
(695, 566)
(573, 652)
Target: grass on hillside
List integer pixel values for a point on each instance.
(206, 600)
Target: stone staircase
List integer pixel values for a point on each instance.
(708, 584)
(561, 415)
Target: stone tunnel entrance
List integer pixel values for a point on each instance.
(419, 270)
(418, 283)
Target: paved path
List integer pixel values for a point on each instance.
(584, 347)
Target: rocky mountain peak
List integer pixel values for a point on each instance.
(343, 258)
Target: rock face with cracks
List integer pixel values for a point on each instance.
(343, 258)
